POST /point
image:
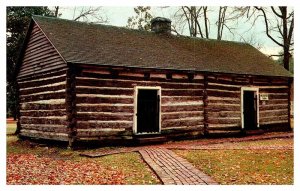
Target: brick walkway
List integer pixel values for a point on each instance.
(172, 169)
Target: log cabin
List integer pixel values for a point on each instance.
(92, 82)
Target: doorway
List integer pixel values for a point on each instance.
(147, 110)
(250, 117)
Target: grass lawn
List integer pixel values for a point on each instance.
(245, 166)
(11, 128)
(30, 164)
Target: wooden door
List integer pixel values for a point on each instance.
(147, 111)
(250, 113)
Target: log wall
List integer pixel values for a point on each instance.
(276, 109)
(224, 101)
(42, 82)
(105, 102)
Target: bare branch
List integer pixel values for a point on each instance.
(291, 31)
(205, 21)
(277, 14)
(276, 55)
(173, 29)
(93, 12)
(267, 26)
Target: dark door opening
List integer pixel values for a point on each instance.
(148, 111)
(250, 114)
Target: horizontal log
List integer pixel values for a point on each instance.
(181, 92)
(215, 105)
(273, 90)
(104, 100)
(266, 113)
(225, 98)
(104, 91)
(103, 116)
(273, 107)
(181, 115)
(220, 87)
(272, 118)
(215, 93)
(243, 80)
(273, 122)
(220, 77)
(273, 87)
(237, 87)
(222, 81)
(105, 108)
(39, 106)
(224, 128)
(40, 89)
(86, 72)
(102, 132)
(278, 96)
(182, 129)
(43, 120)
(274, 102)
(181, 108)
(280, 80)
(44, 135)
(43, 113)
(233, 101)
(182, 103)
(216, 108)
(182, 122)
(233, 120)
(105, 124)
(224, 125)
(46, 128)
(44, 96)
(224, 132)
(179, 99)
(224, 114)
(42, 82)
(269, 84)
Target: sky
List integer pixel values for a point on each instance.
(118, 16)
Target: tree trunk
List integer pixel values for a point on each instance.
(286, 43)
(56, 11)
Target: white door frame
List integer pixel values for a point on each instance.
(256, 91)
(136, 90)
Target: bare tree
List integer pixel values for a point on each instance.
(221, 22)
(85, 14)
(279, 27)
(56, 8)
(90, 14)
(198, 20)
(191, 16)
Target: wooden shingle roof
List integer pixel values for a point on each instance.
(115, 46)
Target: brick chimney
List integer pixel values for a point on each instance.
(161, 25)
